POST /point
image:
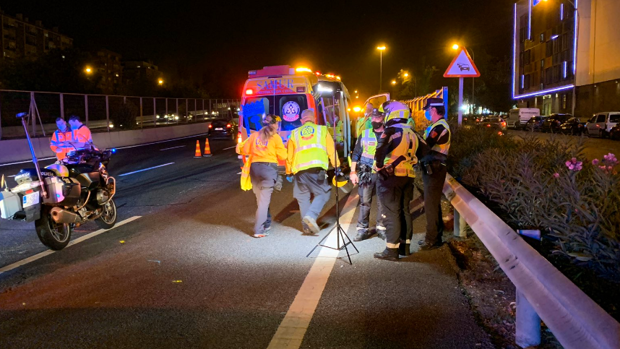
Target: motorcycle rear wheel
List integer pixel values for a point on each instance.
(53, 235)
(108, 217)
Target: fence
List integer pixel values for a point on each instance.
(103, 113)
(543, 292)
(416, 105)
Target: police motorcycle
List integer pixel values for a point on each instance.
(63, 195)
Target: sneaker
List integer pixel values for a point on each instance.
(361, 235)
(389, 254)
(266, 230)
(307, 232)
(258, 236)
(311, 224)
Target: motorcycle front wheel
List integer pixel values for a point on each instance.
(53, 235)
(108, 217)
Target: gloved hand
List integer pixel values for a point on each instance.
(289, 177)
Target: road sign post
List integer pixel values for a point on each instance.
(462, 66)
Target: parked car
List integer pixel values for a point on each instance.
(494, 123)
(573, 126)
(600, 124)
(517, 118)
(614, 133)
(534, 123)
(223, 128)
(553, 122)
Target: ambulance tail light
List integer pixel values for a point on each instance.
(228, 125)
(249, 92)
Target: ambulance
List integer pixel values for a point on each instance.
(286, 91)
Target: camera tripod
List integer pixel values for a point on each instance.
(340, 233)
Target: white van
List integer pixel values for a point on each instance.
(517, 118)
(601, 124)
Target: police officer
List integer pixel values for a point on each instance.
(437, 137)
(395, 157)
(363, 174)
(310, 151)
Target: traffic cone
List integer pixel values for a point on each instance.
(197, 155)
(207, 149)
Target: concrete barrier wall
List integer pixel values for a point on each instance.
(14, 150)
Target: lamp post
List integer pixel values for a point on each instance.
(381, 49)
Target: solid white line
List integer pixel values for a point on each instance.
(234, 146)
(293, 328)
(146, 169)
(179, 146)
(73, 242)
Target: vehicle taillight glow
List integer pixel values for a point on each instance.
(504, 123)
(210, 126)
(249, 91)
(228, 126)
(488, 125)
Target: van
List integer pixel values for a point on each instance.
(517, 118)
(600, 124)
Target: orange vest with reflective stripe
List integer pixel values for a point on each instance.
(57, 138)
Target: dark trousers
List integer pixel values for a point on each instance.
(395, 193)
(433, 190)
(263, 176)
(366, 192)
(308, 184)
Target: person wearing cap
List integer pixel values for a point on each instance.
(311, 151)
(394, 157)
(363, 174)
(437, 137)
(264, 148)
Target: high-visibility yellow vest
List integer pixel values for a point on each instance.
(369, 147)
(363, 124)
(310, 147)
(407, 147)
(338, 138)
(440, 148)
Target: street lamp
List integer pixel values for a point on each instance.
(393, 82)
(160, 82)
(88, 70)
(381, 49)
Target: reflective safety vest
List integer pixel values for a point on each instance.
(339, 138)
(440, 148)
(310, 147)
(363, 124)
(57, 138)
(407, 147)
(369, 147)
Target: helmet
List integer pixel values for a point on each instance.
(395, 112)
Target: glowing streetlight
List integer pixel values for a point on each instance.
(393, 82)
(355, 91)
(406, 75)
(88, 70)
(381, 49)
(160, 82)
(455, 47)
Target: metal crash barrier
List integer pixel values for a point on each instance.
(543, 292)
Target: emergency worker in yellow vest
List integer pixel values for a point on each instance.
(310, 152)
(437, 137)
(364, 123)
(395, 157)
(363, 174)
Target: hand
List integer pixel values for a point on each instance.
(354, 179)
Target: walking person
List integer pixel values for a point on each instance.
(437, 137)
(311, 150)
(364, 175)
(395, 157)
(264, 148)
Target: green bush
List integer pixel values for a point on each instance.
(547, 185)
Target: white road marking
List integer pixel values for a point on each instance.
(239, 172)
(73, 242)
(179, 146)
(234, 146)
(293, 328)
(146, 169)
(25, 161)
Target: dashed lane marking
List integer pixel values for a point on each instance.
(73, 242)
(293, 328)
(145, 169)
(179, 146)
(234, 146)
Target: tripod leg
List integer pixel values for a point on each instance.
(340, 232)
(317, 245)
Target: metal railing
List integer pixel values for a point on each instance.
(416, 105)
(543, 292)
(104, 113)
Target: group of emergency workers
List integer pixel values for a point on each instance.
(382, 162)
(72, 135)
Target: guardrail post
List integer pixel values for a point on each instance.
(141, 114)
(528, 323)
(154, 112)
(86, 109)
(177, 110)
(62, 106)
(166, 113)
(460, 226)
(107, 112)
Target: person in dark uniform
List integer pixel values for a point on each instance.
(394, 158)
(363, 174)
(437, 137)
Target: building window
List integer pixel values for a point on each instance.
(542, 37)
(564, 101)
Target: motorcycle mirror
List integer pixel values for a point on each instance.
(21, 115)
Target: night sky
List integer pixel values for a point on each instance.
(222, 40)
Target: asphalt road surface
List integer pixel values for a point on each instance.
(183, 271)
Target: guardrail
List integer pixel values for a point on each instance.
(543, 292)
(99, 112)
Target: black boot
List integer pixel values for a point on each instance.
(404, 249)
(381, 234)
(361, 235)
(389, 254)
